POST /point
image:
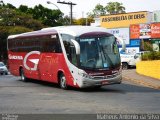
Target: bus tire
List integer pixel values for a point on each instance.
(62, 81)
(125, 66)
(23, 77)
(98, 86)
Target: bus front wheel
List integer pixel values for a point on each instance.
(63, 83)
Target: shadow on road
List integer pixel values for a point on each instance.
(117, 88)
(121, 88)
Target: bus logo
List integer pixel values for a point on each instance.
(15, 57)
(31, 60)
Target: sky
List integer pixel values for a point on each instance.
(85, 6)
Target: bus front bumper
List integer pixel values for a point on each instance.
(88, 82)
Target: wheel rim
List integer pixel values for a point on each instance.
(63, 82)
(125, 66)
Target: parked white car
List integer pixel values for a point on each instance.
(130, 60)
(127, 60)
(3, 69)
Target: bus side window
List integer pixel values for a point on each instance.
(53, 46)
(69, 47)
(57, 46)
(50, 44)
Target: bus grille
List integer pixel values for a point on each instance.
(104, 77)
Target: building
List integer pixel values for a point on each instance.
(125, 20)
(147, 35)
(96, 22)
(135, 28)
(156, 16)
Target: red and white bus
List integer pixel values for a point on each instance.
(78, 56)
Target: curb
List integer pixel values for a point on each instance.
(143, 83)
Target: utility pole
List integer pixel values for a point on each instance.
(48, 2)
(71, 6)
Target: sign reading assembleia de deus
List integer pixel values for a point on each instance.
(123, 17)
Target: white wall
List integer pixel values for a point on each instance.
(121, 32)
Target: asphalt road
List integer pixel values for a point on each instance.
(17, 97)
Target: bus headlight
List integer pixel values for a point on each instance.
(84, 75)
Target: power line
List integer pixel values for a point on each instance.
(71, 7)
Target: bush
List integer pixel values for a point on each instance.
(153, 55)
(18, 30)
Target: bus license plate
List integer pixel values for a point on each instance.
(104, 82)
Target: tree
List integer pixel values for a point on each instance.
(83, 21)
(11, 17)
(12, 21)
(3, 43)
(97, 11)
(10, 6)
(115, 8)
(5, 31)
(18, 30)
(65, 20)
(24, 19)
(23, 8)
(47, 16)
(111, 8)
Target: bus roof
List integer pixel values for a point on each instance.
(34, 33)
(76, 30)
(72, 30)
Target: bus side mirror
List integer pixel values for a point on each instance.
(120, 40)
(77, 47)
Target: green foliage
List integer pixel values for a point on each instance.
(83, 21)
(18, 30)
(97, 11)
(47, 16)
(3, 32)
(151, 56)
(115, 8)
(64, 20)
(11, 17)
(33, 24)
(24, 19)
(147, 46)
(10, 6)
(23, 8)
(111, 8)
(3, 43)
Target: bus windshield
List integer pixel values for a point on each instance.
(99, 52)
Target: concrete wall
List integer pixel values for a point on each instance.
(149, 68)
(96, 23)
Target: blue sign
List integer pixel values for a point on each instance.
(135, 42)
